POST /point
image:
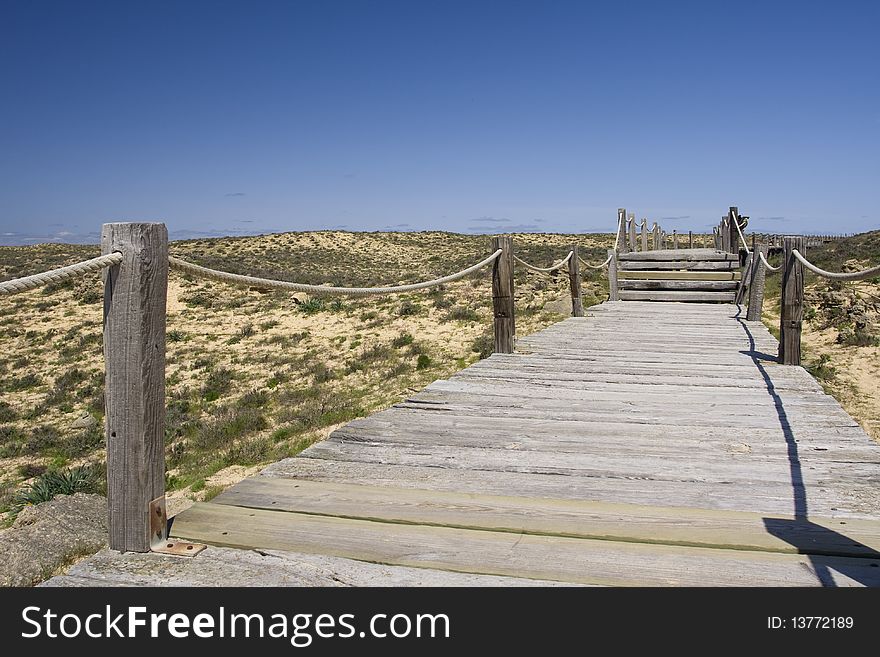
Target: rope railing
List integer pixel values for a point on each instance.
(240, 279)
(742, 237)
(837, 276)
(767, 264)
(545, 270)
(587, 264)
(33, 281)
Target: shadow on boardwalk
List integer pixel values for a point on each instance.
(802, 534)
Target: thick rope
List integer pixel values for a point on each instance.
(17, 285)
(587, 264)
(239, 279)
(838, 276)
(545, 270)
(767, 264)
(742, 238)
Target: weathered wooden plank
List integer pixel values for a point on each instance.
(769, 497)
(572, 518)
(670, 284)
(720, 297)
(134, 355)
(683, 255)
(218, 566)
(554, 558)
(680, 275)
(696, 265)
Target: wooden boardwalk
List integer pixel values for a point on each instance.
(643, 444)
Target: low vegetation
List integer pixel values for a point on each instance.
(253, 375)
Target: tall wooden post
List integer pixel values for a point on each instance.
(502, 295)
(645, 234)
(574, 279)
(621, 230)
(725, 235)
(613, 293)
(690, 239)
(745, 278)
(674, 239)
(756, 284)
(792, 311)
(134, 390)
(716, 239)
(732, 219)
(656, 241)
(632, 232)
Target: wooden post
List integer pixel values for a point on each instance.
(756, 284)
(656, 241)
(725, 235)
(716, 240)
(502, 295)
(621, 230)
(134, 389)
(613, 293)
(690, 239)
(645, 234)
(792, 311)
(745, 278)
(632, 232)
(574, 279)
(674, 239)
(732, 219)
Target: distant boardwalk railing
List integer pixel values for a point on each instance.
(136, 261)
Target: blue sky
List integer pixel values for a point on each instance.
(230, 117)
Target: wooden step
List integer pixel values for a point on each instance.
(670, 275)
(631, 284)
(672, 265)
(533, 556)
(686, 255)
(574, 518)
(676, 295)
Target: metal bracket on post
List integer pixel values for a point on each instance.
(159, 541)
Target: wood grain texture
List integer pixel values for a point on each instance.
(574, 282)
(756, 285)
(134, 356)
(577, 560)
(671, 275)
(714, 297)
(791, 315)
(503, 307)
(684, 255)
(613, 289)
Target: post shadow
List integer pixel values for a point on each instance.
(825, 547)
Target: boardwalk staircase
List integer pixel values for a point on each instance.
(678, 275)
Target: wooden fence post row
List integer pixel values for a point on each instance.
(792, 305)
(502, 295)
(134, 361)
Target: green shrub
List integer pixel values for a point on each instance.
(312, 306)
(462, 314)
(7, 413)
(402, 340)
(217, 383)
(423, 362)
(484, 345)
(409, 308)
(24, 382)
(82, 479)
